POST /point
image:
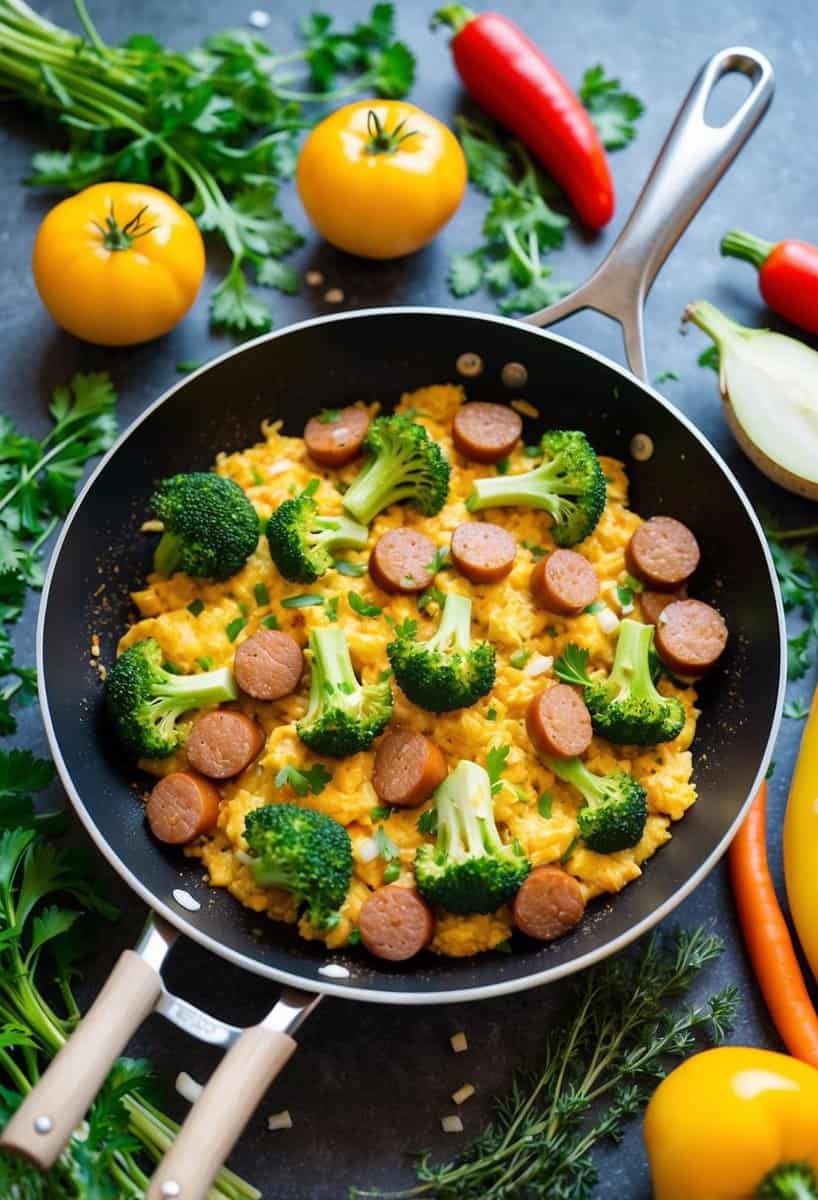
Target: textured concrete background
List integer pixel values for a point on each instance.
(370, 1083)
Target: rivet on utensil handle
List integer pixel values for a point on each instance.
(43, 1125)
(169, 1189)
(692, 160)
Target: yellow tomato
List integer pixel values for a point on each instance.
(732, 1123)
(380, 178)
(118, 263)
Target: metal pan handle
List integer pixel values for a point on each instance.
(692, 160)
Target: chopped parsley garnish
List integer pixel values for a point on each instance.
(796, 710)
(666, 377)
(432, 595)
(495, 765)
(636, 585)
(258, 478)
(270, 621)
(612, 110)
(596, 607)
(386, 847)
(195, 607)
(314, 779)
(381, 812)
(532, 451)
(709, 358)
(244, 609)
(534, 548)
(205, 662)
(440, 560)
(362, 607)
(572, 665)
(569, 850)
(234, 628)
(302, 600)
(329, 416)
(501, 466)
(354, 937)
(552, 631)
(344, 567)
(261, 594)
(171, 667)
(544, 805)
(427, 822)
(391, 873)
(491, 715)
(519, 658)
(625, 596)
(331, 609)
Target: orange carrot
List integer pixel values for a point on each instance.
(767, 936)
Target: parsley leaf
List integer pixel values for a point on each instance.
(262, 596)
(572, 665)
(234, 628)
(432, 595)
(495, 765)
(612, 110)
(427, 822)
(796, 710)
(331, 609)
(387, 849)
(545, 805)
(666, 377)
(314, 779)
(465, 274)
(362, 607)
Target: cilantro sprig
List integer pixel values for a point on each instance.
(215, 126)
(314, 779)
(612, 110)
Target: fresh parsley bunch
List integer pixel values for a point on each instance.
(38, 480)
(215, 126)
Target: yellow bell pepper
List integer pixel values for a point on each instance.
(735, 1124)
(801, 841)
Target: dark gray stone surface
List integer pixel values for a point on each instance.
(370, 1083)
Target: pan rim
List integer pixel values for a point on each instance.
(349, 991)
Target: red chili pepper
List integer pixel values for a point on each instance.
(788, 274)
(515, 83)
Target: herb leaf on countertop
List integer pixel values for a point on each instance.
(612, 110)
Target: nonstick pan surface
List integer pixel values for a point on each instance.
(377, 355)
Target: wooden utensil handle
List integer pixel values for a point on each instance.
(219, 1116)
(50, 1113)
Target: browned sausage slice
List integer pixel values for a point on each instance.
(182, 807)
(223, 743)
(408, 768)
(395, 923)
(564, 582)
(558, 722)
(402, 560)
(690, 637)
(486, 432)
(663, 552)
(268, 665)
(653, 604)
(483, 552)
(336, 436)
(548, 904)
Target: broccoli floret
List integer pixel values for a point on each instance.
(448, 671)
(343, 716)
(568, 484)
(302, 542)
(626, 708)
(145, 701)
(403, 464)
(616, 806)
(469, 869)
(211, 528)
(306, 853)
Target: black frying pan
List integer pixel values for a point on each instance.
(371, 356)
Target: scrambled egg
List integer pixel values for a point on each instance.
(503, 612)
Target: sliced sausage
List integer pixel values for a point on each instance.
(486, 432)
(548, 904)
(222, 743)
(408, 768)
(395, 923)
(402, 561)
(268, 665)
(690, 637)
(335, 437)
(564, 582)
(182, 807)
(653, 604)
(663, 552)
(483, 552)
(558, 722)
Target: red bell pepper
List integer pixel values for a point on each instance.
(788, 274)
(515, 83)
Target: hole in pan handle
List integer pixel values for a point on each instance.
(692, 160)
